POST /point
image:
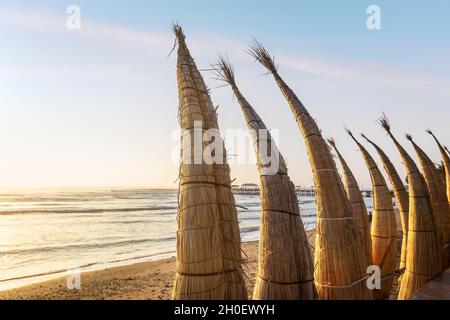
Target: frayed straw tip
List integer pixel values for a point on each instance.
(224, 69)
(178, 31)
(384, 122)
(257, 51)
(349, 132)
(332, 142)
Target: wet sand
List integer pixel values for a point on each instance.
(151, 280)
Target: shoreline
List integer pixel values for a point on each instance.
(148, 280)
(25, 281)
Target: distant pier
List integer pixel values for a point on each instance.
(251, 189)
(246, 191)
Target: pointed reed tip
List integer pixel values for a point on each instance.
(260, 54)
(349, 132)
(409, 137)
(332, 142)
(224, 69)
(384, 123)
(179, 36)
(364, 136)
(434, 137)
(367, 139)
(178, 31)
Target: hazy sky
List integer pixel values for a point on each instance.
(98, 106)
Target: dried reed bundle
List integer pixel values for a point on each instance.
(384, 226)
(402, 199)
(357, 202)
(340, 261)
(209, 262)
(446, 160)
(438, 197)
(423, 260)
(285, 264)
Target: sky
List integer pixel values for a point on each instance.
(97, 107)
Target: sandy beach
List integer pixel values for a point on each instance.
(142, 281)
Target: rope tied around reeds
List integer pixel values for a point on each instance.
(354, 195)
(282, 240)
(384, 238)
(402, 198)
(208, 237)
(285, 283)
(335, 219)
(438, 197)
(327, 180)
(212, 183)
(277, 210)
(325, 170)
(343, 286)
(423, 250)
(193, 293)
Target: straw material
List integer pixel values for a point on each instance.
(438, 196)
(340, 261)
(423, 261)
(402, 200)
(209, 262)
(446, 160)
(384, 226)
(285, 264)
(357, 202)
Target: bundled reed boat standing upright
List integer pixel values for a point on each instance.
(340, 260)
(357, 201)
(384, 226)
(446, 161)
(285, 263)
(438, 197)
(402, 200)
(423, 261)
(209, 262)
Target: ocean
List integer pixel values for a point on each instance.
(45, 234)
